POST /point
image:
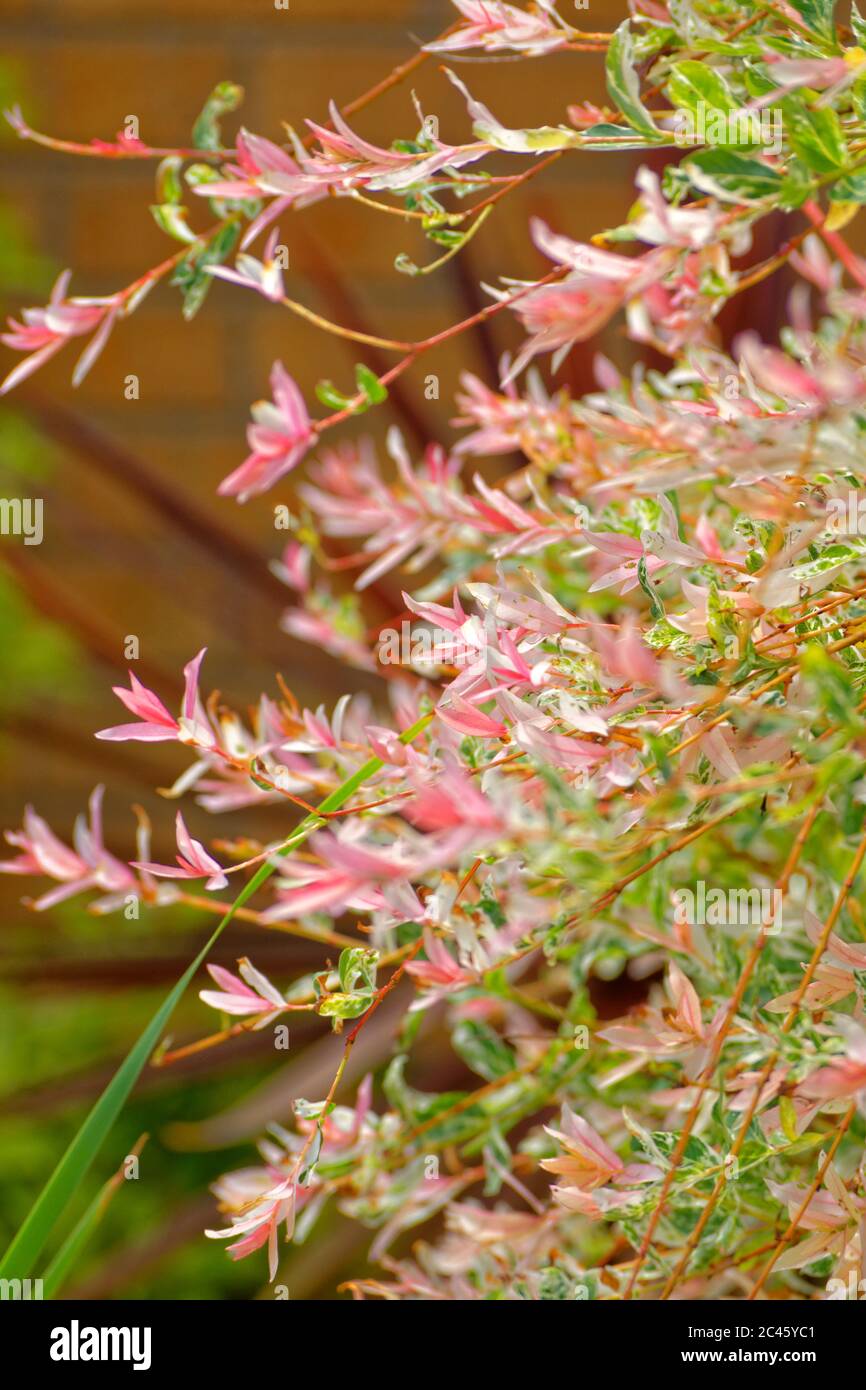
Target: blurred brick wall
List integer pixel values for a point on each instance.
(86, 65)
(80, 68)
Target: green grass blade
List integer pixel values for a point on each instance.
(73, 1166)
(50, 1205)
(61, 1266)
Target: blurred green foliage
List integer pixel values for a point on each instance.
(48, 1040)
(58, 1042)
(48, 659)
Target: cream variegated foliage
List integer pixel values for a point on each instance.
(649, 673)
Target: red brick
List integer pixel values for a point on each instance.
(249, 14)
(111, 233)
(88, 88)
(323, 10)
(298, 81)
(177, 363)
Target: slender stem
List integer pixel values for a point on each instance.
(772, 1059)
(801, 1210)
(706, 1073)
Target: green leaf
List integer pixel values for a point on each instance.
(497, 1161)
(169, 188)
(312, 1157)
(694, 84)
(797, 185)
(732, 177)
(191, 276)
(64, 1261)
(70, 1172)
(818, 16)
(168, 213)
(788, 1117)
(415, 1106)
(357, 963)
(345, 1005)
(816, 136)
(370, 385)
(225, 97)
(197, 175)
(75, 1163)
(482, 1050)
(643, 579)
(327, 393)
(832, 685)
(171, 219)
(806, 1141)
(830, 558)
(851, 189)
(308, 1109)
(606, 136)
(623, 82)
(554, 1285)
